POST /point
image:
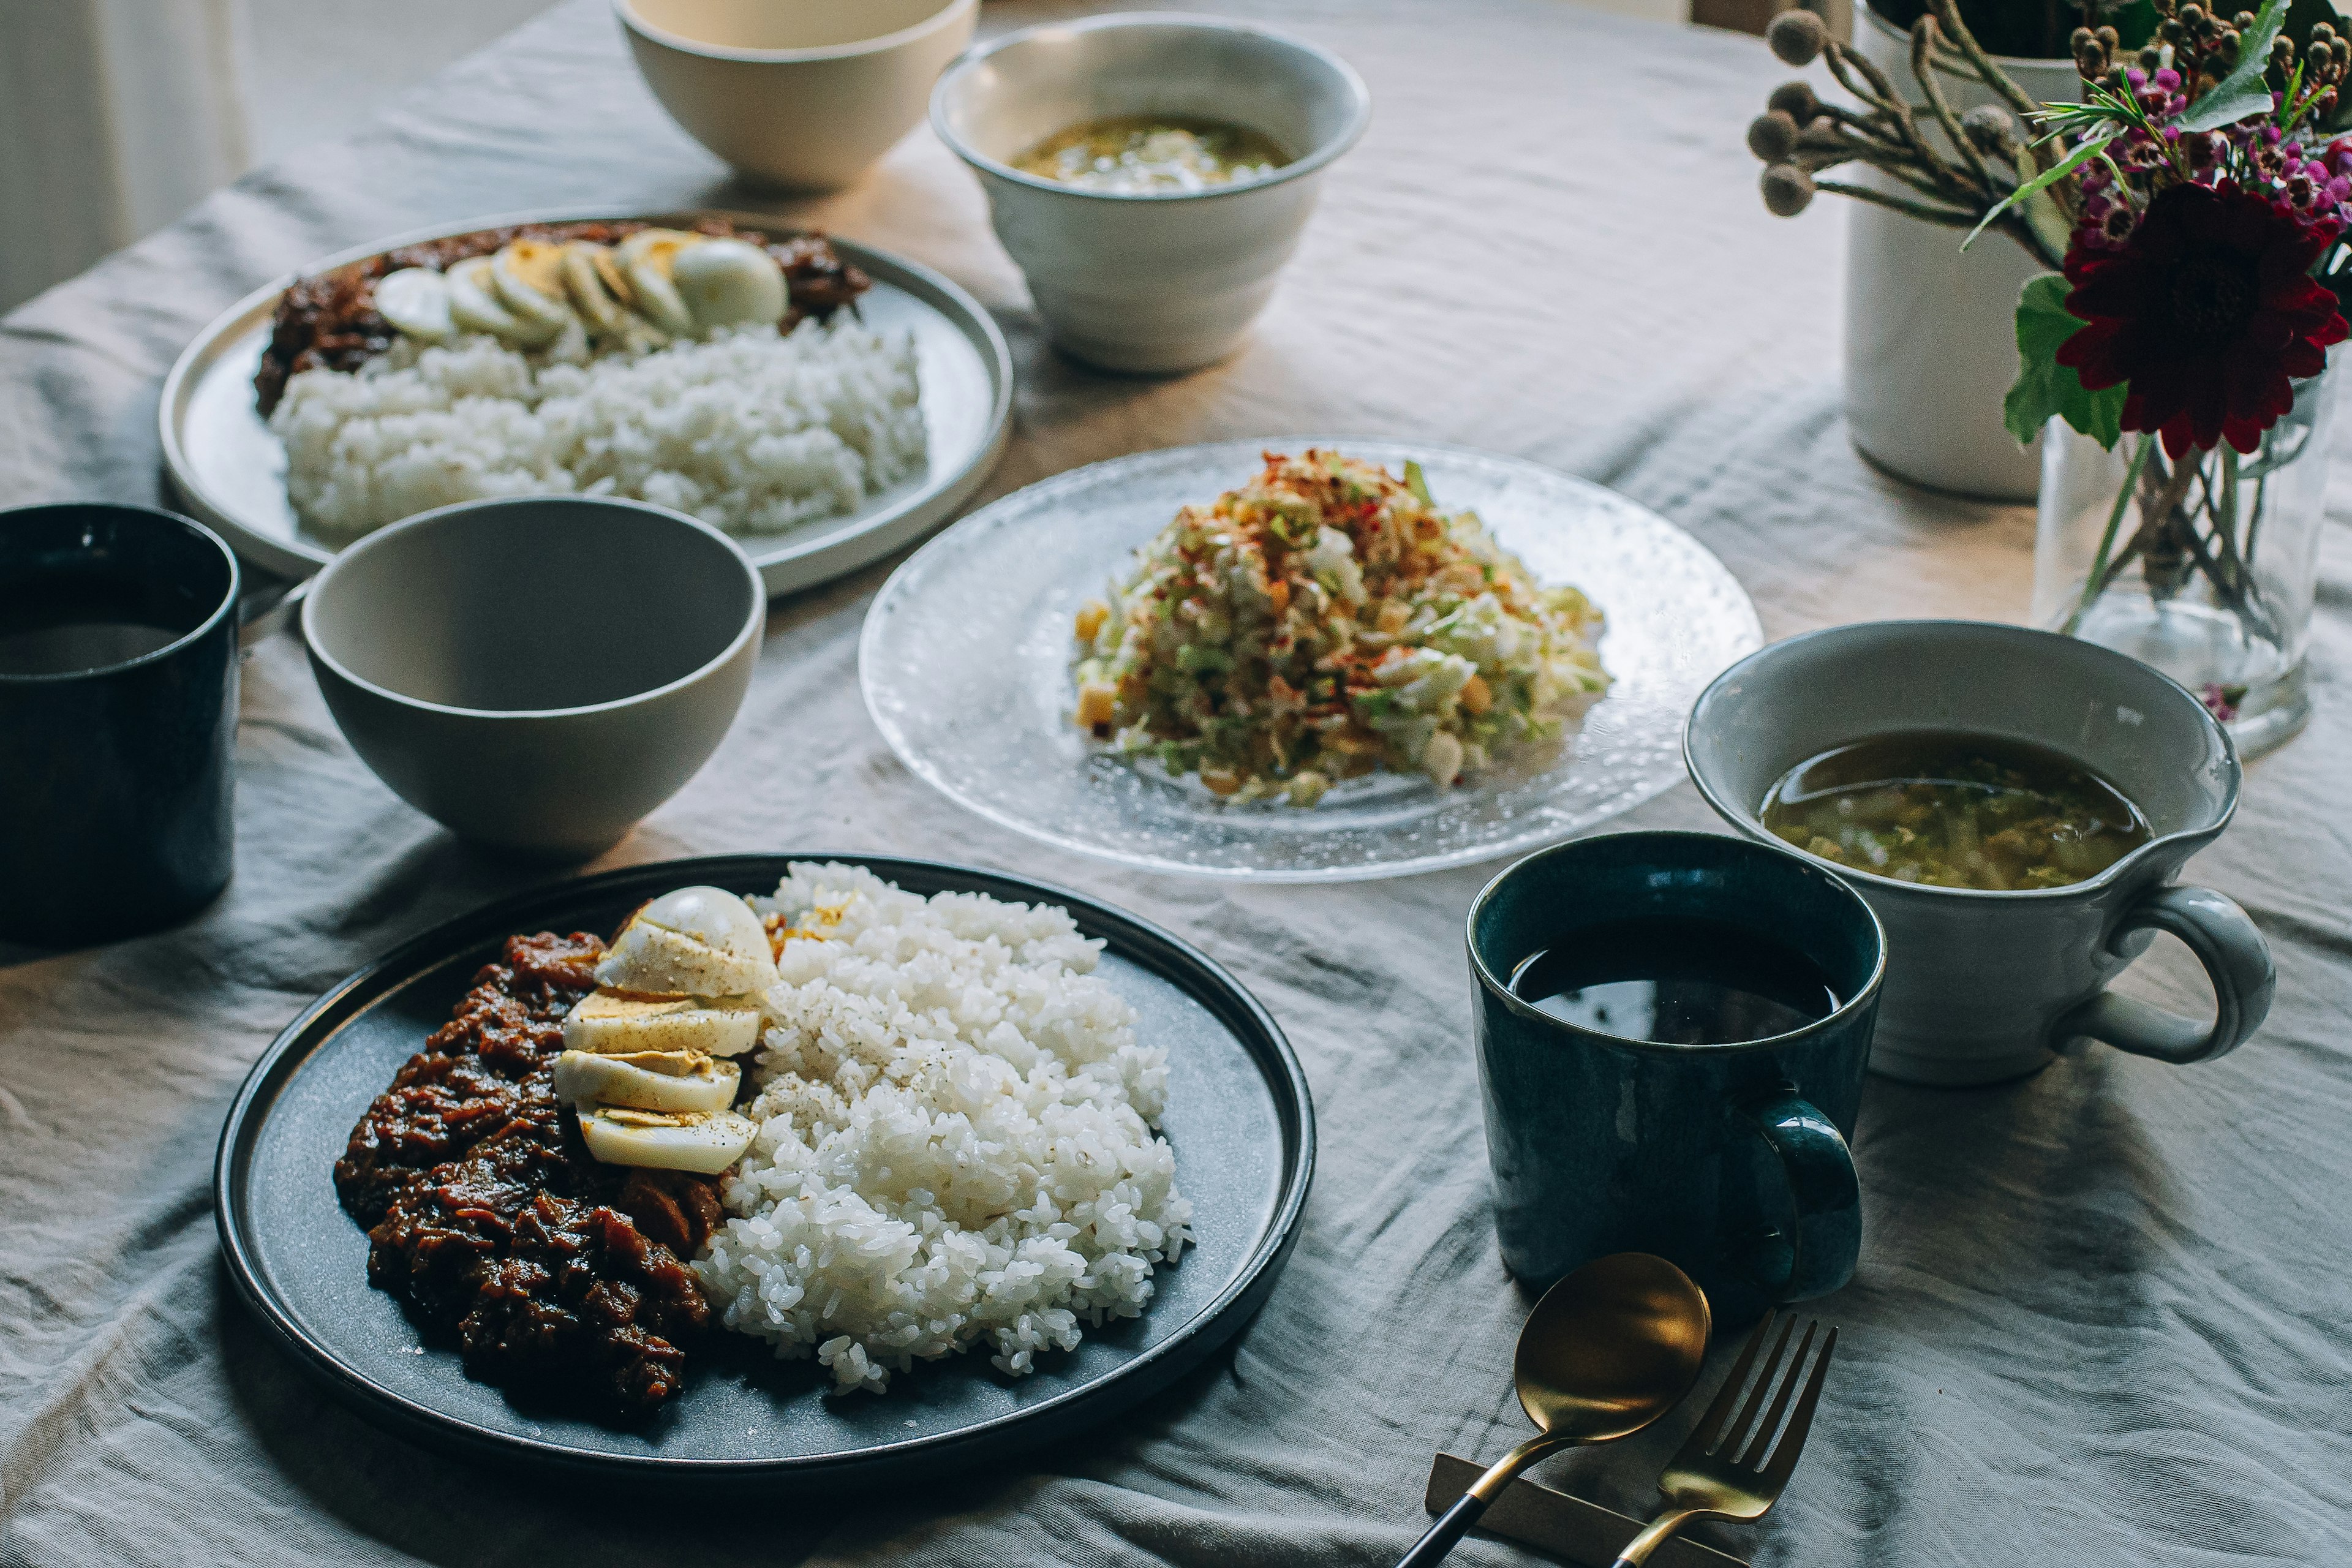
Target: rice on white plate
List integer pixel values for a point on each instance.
(957, 1137)
(751, 431)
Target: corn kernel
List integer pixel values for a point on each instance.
(1096, 704)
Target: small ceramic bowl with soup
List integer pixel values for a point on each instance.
(1151, 173)
(801, 93)
(536, 673)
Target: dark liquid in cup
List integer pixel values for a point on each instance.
(77, 626)
(1678, 982)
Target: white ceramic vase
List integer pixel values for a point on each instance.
(1930, 340)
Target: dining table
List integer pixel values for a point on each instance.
(2102, 1314)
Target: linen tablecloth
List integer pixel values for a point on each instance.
(2101, 1315)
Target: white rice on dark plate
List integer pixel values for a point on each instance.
(752, 432)
(957, 1138)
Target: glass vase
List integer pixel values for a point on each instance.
(2203, 567)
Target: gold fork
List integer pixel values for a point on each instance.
(1715, 1476)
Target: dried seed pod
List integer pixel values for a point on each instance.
(1788, 190)
(2243, 21)
(1991, 128)
(2150, 57)
(1773, 136)
(2190, 14)
(2109, 40)
(1796, 99)
(1796, 38)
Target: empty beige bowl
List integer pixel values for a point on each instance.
(536, 673)
(803, 93)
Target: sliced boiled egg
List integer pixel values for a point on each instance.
(528, 277)
(599, 303)
(696, 942)
(729, 282)
(416, 300)
(606, 1024)
(474, 304)
(647, 1081)
(706, 1143)
(646, 259)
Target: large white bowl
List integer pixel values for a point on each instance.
(801, 93)
(1160, 282)
(537, 672)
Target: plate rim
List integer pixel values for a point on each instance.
(1751, 637)
(1142, 941)
(782, 568)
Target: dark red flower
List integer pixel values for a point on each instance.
(2209, 313)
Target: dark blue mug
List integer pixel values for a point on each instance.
(1731, 1161)
(118, 719)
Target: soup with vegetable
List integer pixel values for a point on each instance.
(1955, 810)
(1153, 154)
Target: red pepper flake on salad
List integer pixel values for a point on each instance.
(1325, 620)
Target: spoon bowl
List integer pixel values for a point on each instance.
(1611, 1348)
(1607, 1350)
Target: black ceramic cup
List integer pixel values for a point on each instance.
(1730, 1159)
(118, 719)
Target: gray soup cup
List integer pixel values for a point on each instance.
(1166, 282)
(1986, 985)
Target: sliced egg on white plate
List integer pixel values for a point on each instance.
(474, 305)
(528, 277)
(702, 1143)
(646, 259)
(729, 282)
(607, 1025)
(647, 1081)
(416, 300)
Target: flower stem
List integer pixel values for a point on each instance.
(2096, 582)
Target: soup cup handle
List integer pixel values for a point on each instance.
(1824, 1194)
(2237, 961)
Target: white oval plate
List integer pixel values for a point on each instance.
(229, 471)
(965, 661)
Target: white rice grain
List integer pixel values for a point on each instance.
(956, 1138)
(753, 432)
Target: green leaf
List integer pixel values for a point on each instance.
(2044, 388)
(2243, 92)
(1415, 481)
(2085, 150)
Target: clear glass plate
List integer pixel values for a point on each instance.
(966, 655)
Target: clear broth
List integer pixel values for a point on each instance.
(1676, 983)
(1949, 809)
(1153, 154)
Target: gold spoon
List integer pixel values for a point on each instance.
(1608, 1350)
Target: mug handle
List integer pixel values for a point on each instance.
(1822, 1192)
(2237, 961)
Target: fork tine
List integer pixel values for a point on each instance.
(1710, 1430)
(1792, 1442)
(1790, 1376)
(1764, 1379)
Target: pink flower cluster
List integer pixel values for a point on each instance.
(2314, 187)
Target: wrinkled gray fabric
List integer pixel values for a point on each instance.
(2101, 1316)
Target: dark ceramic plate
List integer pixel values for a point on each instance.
(1239, 1118)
